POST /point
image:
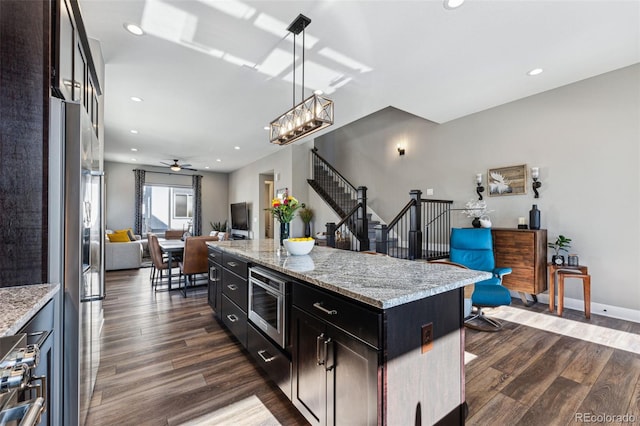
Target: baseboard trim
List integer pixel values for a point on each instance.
(596, 308)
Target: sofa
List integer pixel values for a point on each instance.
(123, 255)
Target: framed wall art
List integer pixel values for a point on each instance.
(507, 180)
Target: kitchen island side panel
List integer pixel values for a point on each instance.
(425, 385)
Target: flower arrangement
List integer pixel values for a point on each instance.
(284, 208)
(476, 209)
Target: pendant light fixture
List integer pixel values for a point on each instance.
(311, 114)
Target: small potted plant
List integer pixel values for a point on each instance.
(306, 214)
(562, 243)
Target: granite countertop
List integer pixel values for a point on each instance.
(19, 304)
(377, 280)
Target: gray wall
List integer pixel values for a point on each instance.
(584, 137)
(120, 194)
(289, 166)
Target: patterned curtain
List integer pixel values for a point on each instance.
(196, 183)
(137, 226)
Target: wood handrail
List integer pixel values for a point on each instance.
(314, 151)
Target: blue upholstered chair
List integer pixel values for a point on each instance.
(473, 248)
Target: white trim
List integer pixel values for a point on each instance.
(596, 308)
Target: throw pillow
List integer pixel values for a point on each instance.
(118, 237)
(129, 233)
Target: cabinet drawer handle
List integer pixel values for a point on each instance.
(232, 317)
(232, 264)
(266, 358)
(318, 305)
(232, 287)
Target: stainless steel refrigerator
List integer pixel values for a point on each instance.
(77, 250)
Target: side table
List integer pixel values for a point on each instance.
(557, 275)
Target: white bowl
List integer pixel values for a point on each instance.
(298, 248)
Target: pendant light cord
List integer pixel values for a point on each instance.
(293, 104)
(303, 49)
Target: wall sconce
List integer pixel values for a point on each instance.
(479, 187)
(400, 150)
(535, 173)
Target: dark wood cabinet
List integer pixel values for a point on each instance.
(334, 373)
(274, 361)
(525, 252)
(227, 292)
(214, 291)
(73, 73)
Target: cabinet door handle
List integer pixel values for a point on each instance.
(212, 273)
(328, 354)
(232, 264)
(232, 287)
(266, 358)
(318, 305)
(232, 317)
(319, 343)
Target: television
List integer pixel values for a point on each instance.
(239, 216)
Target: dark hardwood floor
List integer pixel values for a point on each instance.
(165, 360)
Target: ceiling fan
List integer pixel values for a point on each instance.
(177, 167)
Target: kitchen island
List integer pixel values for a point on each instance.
(369, 339)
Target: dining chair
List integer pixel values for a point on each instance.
(159, 263)
(173, 234)
(195, 260)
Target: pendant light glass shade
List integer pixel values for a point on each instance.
(310, 115)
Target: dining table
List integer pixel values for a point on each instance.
(171, 248)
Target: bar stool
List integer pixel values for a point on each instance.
(586, 286)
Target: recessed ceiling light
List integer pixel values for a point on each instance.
(218, 160)
(266, 127)
(136, 99)
(207, 167)
(134, 149)
(535, 71)
(452, 4)
(134, 131)
(236, 147)
(318, 92)
(133, 159)
(133, 29)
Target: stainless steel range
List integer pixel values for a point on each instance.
(21, 392)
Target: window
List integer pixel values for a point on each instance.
(166, 207)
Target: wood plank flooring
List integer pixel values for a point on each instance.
(165, 360)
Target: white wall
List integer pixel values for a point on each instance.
(585, 138)
(120, 193)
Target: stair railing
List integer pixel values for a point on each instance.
(351, 233)
(338, 191)
(403, 237)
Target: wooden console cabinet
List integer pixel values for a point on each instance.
(525, 252)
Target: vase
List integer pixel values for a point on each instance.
(284, 232)
(534, 217)
(476, 222)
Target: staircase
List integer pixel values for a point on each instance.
(419, 231)
(332, 189)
